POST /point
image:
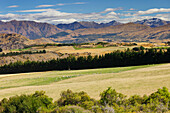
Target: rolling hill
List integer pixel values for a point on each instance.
(131, 80)
(12, 41)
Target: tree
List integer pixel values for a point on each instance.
(136, 48)
(111, 97)
(142, 48)
(0, 49)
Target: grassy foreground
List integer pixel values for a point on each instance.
(128, 80)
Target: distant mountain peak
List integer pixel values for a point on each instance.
(153, 22)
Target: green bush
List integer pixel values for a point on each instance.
(81, 99)
(111, 97)
(26, 103)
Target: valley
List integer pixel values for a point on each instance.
(86, 57)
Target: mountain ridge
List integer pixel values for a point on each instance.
(153, 22)
(86, 24)
(30, 29)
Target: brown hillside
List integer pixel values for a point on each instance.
(12, 41)
(25, 57)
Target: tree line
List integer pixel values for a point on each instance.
(59, 45)
(114, 59)
(110, 101)
(20, 53)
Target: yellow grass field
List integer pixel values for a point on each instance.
(127, 80)
(93, 51)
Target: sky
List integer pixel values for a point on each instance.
(68, 11)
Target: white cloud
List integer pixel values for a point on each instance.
(65, 20)
(39, 6)
(111, 9)
(132, 9)
(79, 3)
(13, 6)
(61, 4)
(35, 10)
(112, 13)
(164, 16)
(151, 11)
(76, 3)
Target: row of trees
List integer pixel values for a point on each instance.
(59, 45)
(114, 59)
(20, 53)
(80, 102)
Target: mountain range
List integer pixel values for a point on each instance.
(83, 25)
(148, 29)
(123, 32)
(154, 22)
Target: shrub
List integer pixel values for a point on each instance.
(26, 103)
(111, 97)
(70, 98)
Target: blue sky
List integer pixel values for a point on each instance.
(67, 11)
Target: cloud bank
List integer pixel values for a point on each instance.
(54, 16)
(151, 11)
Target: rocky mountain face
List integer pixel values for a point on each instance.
(12, 41)
(154, 22)
(30, 29)
(83, 25)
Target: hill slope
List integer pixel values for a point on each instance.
(12, 41)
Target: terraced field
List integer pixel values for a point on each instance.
(128, 80)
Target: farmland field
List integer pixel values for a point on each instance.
(93, 51)
(128, 80)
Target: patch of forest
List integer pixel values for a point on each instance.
(114, 59)
(20, 53)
